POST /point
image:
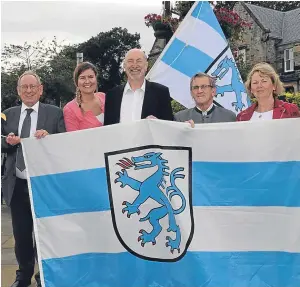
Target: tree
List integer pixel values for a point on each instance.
(30, 56)
(9, 96)
(39, 57)
(107, 51)
(176, 107)
(55, 64)
(57, 77)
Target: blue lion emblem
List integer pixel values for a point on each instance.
(236, 84)
(150, 188)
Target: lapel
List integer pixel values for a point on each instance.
(42, 116)
(247, 114)
(118, 101)
(16, 119)
(278, 109)
(147, 101)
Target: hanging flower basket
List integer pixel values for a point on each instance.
(162, 31)
(161, 26)
(159, 23)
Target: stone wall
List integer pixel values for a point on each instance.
(261, 48)
(271, 52)
(256, 49)
(290, 79)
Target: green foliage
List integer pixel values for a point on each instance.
(293, 98)
(57, 79)
(176, 107)
(32, 57)
(9, 96)
(107, 51)
(40, 57)
(55, 64)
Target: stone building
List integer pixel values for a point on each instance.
(274, 38)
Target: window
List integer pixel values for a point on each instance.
(289, 60)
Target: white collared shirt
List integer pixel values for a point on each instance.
(132, 103)
(204, 113)
(33, 117)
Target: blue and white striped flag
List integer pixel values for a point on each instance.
(199, 45)
(157, 203)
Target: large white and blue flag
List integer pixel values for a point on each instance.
(157, 203)
(199, 45)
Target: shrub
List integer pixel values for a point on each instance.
(293, 98)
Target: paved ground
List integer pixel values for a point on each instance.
(8, 260)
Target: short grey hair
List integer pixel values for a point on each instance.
(30, 73)
(137, 50)
(212, 80)
(123, 62)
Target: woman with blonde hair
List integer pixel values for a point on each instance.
(87, 109)
(264, 84)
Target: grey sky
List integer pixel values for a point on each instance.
(74, 22)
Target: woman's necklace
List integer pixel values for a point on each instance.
(261, 113)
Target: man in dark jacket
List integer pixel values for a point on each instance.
(31, 119)
(138, 99)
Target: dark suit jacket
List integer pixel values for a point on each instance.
(50, 118)
(157, 102)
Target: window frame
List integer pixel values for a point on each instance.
(290, 59)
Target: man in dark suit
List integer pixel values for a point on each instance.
(139, 98)
(31, 119)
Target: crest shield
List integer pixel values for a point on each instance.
(151, 200)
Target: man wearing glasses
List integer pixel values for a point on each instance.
(203, 90)
(31, 119)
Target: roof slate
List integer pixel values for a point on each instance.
(282, 25)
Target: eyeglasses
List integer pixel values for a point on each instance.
(31, 87)
(202, 87)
